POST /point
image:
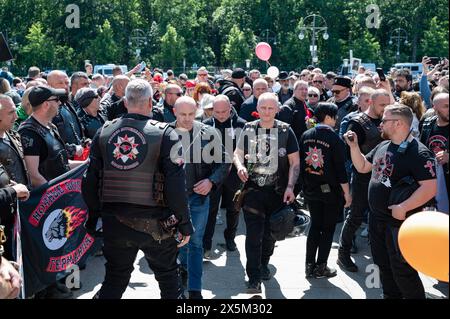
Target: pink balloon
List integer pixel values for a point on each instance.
(263, 51)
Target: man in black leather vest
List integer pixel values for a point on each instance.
(140, 190)
(366, 127)
(269, 150)
(69, 126)
(11, 151)
(13, 174)
(45, 154)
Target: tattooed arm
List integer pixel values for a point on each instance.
(294, 171)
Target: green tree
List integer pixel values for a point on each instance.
(173, 48)
(39, 49)
(435, 40)
(103, 47)
(239, 47)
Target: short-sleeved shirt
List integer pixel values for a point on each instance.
(389, 166)
(262, 175)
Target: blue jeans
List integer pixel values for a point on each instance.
(191, 255)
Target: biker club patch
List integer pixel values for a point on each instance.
(126, 148)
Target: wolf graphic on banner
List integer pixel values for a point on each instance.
(53, 235)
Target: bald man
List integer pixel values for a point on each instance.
(205, 172)
(273, 166)
(113, 106)
(67, 122)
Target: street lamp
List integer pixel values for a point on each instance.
(398, 34)
(269, 36)
(247, 63)
(138, 38)
(316, 24)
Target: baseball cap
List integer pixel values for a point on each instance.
(40, 94)
(86, 96)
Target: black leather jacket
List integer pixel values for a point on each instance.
(216, 171)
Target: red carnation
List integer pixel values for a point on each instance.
(255, 115)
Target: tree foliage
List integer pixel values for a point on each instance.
(219, 32)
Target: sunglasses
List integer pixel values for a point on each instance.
(336, 91)
(54, 99)
(320, 82)
(313, 95)
(246, 89)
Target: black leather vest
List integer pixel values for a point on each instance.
(91, 124)
(69, 126)
(130, 151)
(345, 107)
(11, 157)
(373, 135)
(4, 177)
(283, 162)
(56, 163)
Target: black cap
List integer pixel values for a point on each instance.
(283, 76)
(86, 97)
(238, 74)
(343, 81)
(40, 94)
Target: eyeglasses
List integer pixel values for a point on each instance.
(176, 93)
(386, 120)
(320, 82)
(246, 89)
(336, 91)
(313, 95)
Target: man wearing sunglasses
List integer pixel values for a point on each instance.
(319, 83)
(398, 157)
(343, 98)
(171, 94)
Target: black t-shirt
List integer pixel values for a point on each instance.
(322, 158)
(263, 173)
(389, 167)
(437, 142)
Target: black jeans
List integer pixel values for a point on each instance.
(324, 214)
(226, 191)
(121, 245)
(360, 204)
(398, 278)
(259, 204)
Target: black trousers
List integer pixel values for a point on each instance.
(259, 204)
(360, 204)
(226, 191)
(121, 245)
(324, 213)
(398, 278)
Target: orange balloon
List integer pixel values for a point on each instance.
(424, 243)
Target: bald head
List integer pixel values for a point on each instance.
(185, 109)
(221, 108)
(58, 80)
(119, 84)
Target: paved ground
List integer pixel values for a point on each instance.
(224, 275)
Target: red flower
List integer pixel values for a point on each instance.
(255, 115)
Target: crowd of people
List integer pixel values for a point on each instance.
(168, 150)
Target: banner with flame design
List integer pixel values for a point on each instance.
(53, 235)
